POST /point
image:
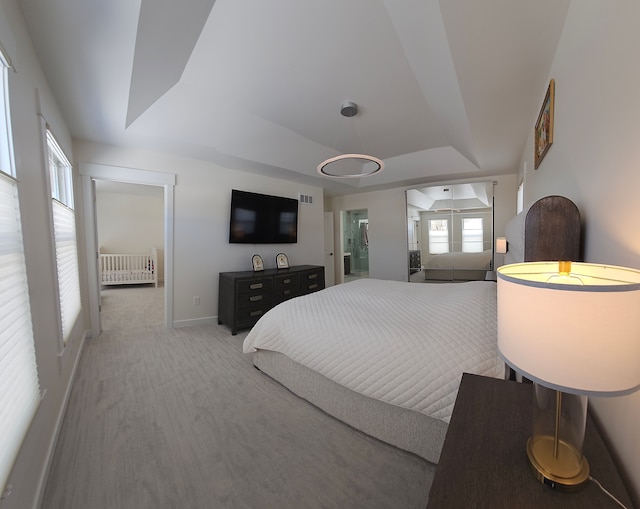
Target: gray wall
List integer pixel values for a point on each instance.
(202, 202)
(388, 223)
(30, 102)
(595, 161)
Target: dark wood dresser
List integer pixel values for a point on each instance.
(243, 297)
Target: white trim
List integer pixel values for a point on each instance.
(128, 175)
(91, 171)
(44, 475)
(196, 321)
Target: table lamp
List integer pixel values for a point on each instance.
(574, 330)
(502, 245)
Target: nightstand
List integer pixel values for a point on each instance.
(484, 464)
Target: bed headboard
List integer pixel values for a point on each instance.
(548, 231)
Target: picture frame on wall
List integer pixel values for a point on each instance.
(544, 126)
(282, 261)
(258, 264)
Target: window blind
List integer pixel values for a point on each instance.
(19, 389)
(64, 227)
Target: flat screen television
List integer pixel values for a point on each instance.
(262, 219)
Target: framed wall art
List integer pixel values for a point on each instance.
(544, 126)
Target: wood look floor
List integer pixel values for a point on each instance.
(179, 418)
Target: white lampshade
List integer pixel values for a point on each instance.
(576, 332)
(501, 245)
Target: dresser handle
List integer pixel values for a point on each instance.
(312, 276)
(255, 298)
(258, 312)
(256, 286)
(313, 287)
(286, 292)
(287, 281)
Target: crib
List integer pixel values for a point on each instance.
(129, 268)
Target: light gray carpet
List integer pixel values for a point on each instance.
(162, 418)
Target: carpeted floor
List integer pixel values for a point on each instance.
(179, 418)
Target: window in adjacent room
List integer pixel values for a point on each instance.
(64, 227)
(472, 235)
(19, 387)
(438, 236)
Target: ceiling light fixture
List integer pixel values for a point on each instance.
(350, 165)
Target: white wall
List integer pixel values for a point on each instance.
(130, 219)
(30, 96)
(595, 161)
(388, 223)
(201, 215)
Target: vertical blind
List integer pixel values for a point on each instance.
(19, 389)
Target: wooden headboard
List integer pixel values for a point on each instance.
(548, 231)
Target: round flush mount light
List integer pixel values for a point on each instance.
(350, 166)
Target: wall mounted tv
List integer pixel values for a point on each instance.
(262, 219)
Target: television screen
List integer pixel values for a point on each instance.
(262, 219)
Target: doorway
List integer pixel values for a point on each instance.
(89, 173)
(356, 244)
(130, 228)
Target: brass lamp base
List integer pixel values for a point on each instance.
(565, 469)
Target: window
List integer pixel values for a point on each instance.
(19, 388)
(520, 198)
(472, 235)
(64, 228)
(438, 236)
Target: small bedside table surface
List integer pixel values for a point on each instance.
(484, 463)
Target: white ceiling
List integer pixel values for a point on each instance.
(446, 89)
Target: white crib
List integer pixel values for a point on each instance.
(129, 268)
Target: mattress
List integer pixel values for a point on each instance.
(401, 343)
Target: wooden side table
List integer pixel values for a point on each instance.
(484, 463)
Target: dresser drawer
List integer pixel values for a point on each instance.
(311, 281)
(255, 299)
(285, 287)
(251, 286)
(249, 316)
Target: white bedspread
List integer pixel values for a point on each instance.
(403, 343)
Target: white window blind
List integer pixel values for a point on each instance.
(438, 236)
(472, 235)
(19, 389)
(64, 228)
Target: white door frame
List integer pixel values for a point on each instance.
(329, 250)
(89, 172)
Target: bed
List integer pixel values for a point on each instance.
(386, 357)
(458, 266)
(129, 268)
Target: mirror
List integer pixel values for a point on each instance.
(450, 232)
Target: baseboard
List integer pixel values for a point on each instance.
(54, 440)
(195, 321)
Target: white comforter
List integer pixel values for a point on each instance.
(403, 343)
